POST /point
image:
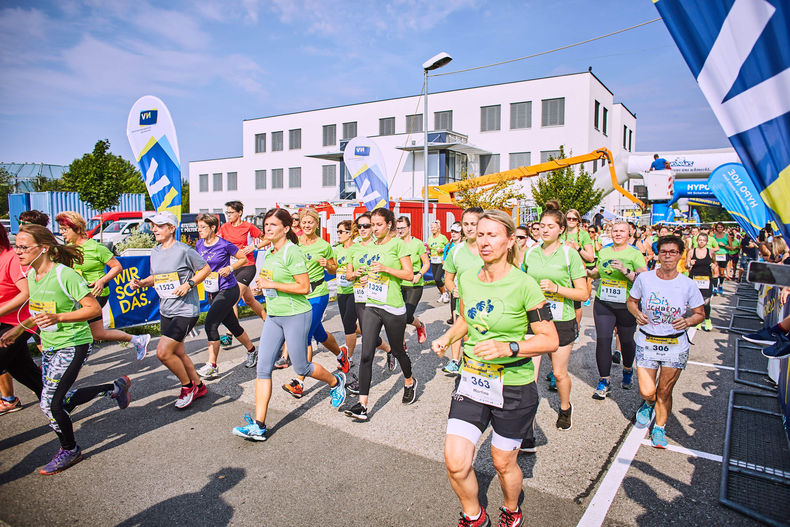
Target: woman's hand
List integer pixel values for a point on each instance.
(264, 283)
(11, 335)
(440, 345)
(492, 349)
(681, 324)
(376, 267)
(225, 271)
(98, 287)
(547, 286)
(641, 318)
(618, 266)
(417, 278)
(182, 290)
(363, 280)
(322, 262)
(44, 320)
(135, 284)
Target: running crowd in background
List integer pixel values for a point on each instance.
(515, 294)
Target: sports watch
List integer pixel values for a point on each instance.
(514, 349)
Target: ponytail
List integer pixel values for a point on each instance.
(67, 255)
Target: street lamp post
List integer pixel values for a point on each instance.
(436, 62)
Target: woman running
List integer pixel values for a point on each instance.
(176, 269)
(343, 253)
(498, 306)
(388, 265)
(286, 283)
(662, 342)
(618, 266)
(456, 237)
(436, 243)
(222, 290)
(723, 241)
(559, 271)
(60, 304)
(703, 269)
(579, 240)
(94, 257)
(320, 258)
(462, 258)
(412, 289)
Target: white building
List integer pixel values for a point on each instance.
(297, 157)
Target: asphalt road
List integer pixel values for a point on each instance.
(154, 465)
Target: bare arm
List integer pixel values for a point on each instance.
(19, 299)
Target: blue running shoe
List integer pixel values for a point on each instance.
(552, 382)
(226, 341)
(767, 336)
(251, 430)
(602, 390)
(658, 437)
(628, 379)
(121, 393)
(645, 413)
(780, 350)
(452, 368)
(62, 460)
(587, 303)
(338, 393)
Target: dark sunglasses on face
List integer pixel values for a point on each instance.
(363, 225)
(521, 237)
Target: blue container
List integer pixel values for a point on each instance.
(17, 204)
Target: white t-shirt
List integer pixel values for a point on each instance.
(664, 300)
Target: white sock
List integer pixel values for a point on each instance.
(476, 516)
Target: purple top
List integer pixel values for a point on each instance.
(218, 256)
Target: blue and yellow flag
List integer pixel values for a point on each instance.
(366, 164)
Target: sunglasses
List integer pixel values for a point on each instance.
(363, 225)
(521, 237)
(572, 218)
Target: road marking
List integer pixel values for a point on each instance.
(709, 365)
(687, 451)
(596, 511)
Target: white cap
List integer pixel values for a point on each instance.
(164, 217)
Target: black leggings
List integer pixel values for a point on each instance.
(395, 326)
(607, 317)
(453, 302)
(348, 312)
(437, 270)
(17, 361)
(360, 309)
(221, 312)
(411, 296)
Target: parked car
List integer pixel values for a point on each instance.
(117, 231)
(108, 217)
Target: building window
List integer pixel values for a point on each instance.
(596, 118)
(605, 121)
(520, 159)
(349, 130)
(489, 164)
(260, 179)
(217, 177)
(520, 115)
(277, 178)
(490, 118)
(630, 139)
(216, 211)
(328, 175)
(260, 143)
(295, 177)
(233, 181)
(330, 134)
(625, 137)
(277, 141)
(553, 112)
(413, 123)
(443, 120)
(546, 155)
(387, 126)
(204, 211)
(203, 182)
(260, 212)
(295, 139)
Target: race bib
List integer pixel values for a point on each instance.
(556, 303)
(35, 307)
(268, 274)
(342, 281)
(359, 294)
(613, 290)
(165, 285)
(661, 349)
(703, 282)
(436, 259)
(377, 287)
(482, 382)
(721, 257)
(211, 283)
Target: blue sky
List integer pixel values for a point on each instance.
(72, 69)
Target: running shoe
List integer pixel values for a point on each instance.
(10, 407)
(338, 393)
(295, 388)
(62, 460)
(251, 430)
(121, 393)
(528, 446)
(780, 350)
(767, 336)
(587, 303)
(508, 518)
(616, 357)
(207, 371)
(226, 341)
(422, 335)
(445, 298)
(201, 391)
(449, 321)
(140, 343)
(358, 411)
(564, 418)
(282, 363)
(252, 359)
(342, 359)
(658, 437)
(708, 325)
(410, 393)
(452, 367)
(391, 362)
(552, 382)
(645, 413)
(186, 397)
(628, 379)
(353, 387)
(482, 521)
(602, 390)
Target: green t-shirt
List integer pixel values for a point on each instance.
(562, 267)
(721, 243)
(359, 259)
(437, 244)
(95, 256)
(498, 311)
(282, 266)
(415, 248)
(49, 296)
(614, 286)
(314, 252)
(343, 256)
(736, 243)
(460, 259)
(710, 245)
(582, 238)
(384, 289)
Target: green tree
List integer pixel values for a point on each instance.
(501, 195)
(713, 214)
(572, 190)
(184, 196)
(6, 188)
(42, 183)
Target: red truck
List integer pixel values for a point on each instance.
(108, 217)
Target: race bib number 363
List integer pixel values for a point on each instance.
(482, 382)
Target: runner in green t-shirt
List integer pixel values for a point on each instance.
(412, 290)
(723, 242)
(343, 253)
(496, 386)
(284, 279)
(436, 244)
(578, 239)
(95, 257)
(60, 305)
